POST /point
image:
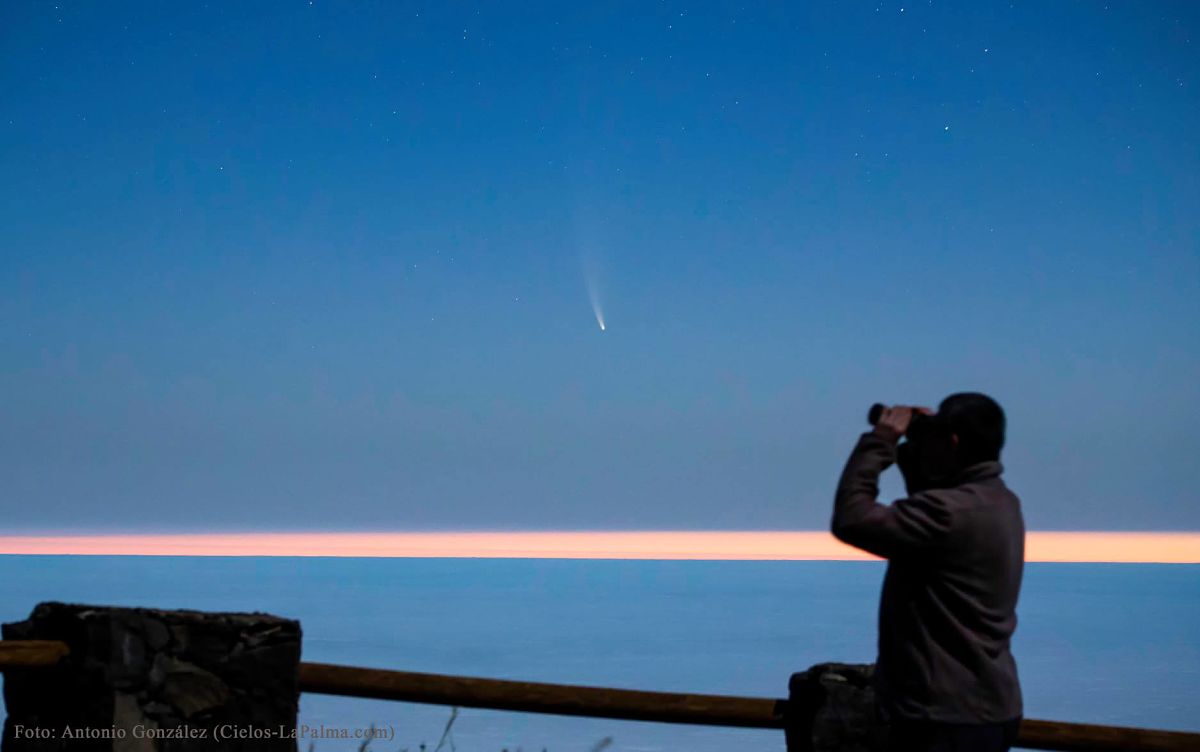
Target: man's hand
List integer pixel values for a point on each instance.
(894, 421)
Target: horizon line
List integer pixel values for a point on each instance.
(666, 545)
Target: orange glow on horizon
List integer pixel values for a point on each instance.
(1128, 547)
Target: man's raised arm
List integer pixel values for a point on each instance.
(908, 526)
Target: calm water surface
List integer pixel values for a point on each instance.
(1103, 643)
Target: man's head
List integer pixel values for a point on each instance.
(978, 423)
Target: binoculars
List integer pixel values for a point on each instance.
(920, 421)
(875, 413)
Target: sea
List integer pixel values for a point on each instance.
(1097, 643)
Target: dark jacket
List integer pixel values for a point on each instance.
(948, 609)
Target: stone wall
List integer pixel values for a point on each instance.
(155, 681)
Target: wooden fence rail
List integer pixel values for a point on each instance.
(624, 704)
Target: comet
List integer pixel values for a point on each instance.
(594, 297)
(591, 281)
(591, 235)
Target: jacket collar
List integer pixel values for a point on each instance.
(979, 471)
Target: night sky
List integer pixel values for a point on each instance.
(307, 266)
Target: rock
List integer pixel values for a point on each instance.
(190, 689)
(128, 716)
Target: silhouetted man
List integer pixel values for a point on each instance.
(945, 678)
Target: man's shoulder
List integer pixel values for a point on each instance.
(965, 495)
(989, 503)
(990, 489)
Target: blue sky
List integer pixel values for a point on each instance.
(326, 266)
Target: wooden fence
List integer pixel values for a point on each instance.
(624, 704)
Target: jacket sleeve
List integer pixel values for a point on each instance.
(910, 526)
